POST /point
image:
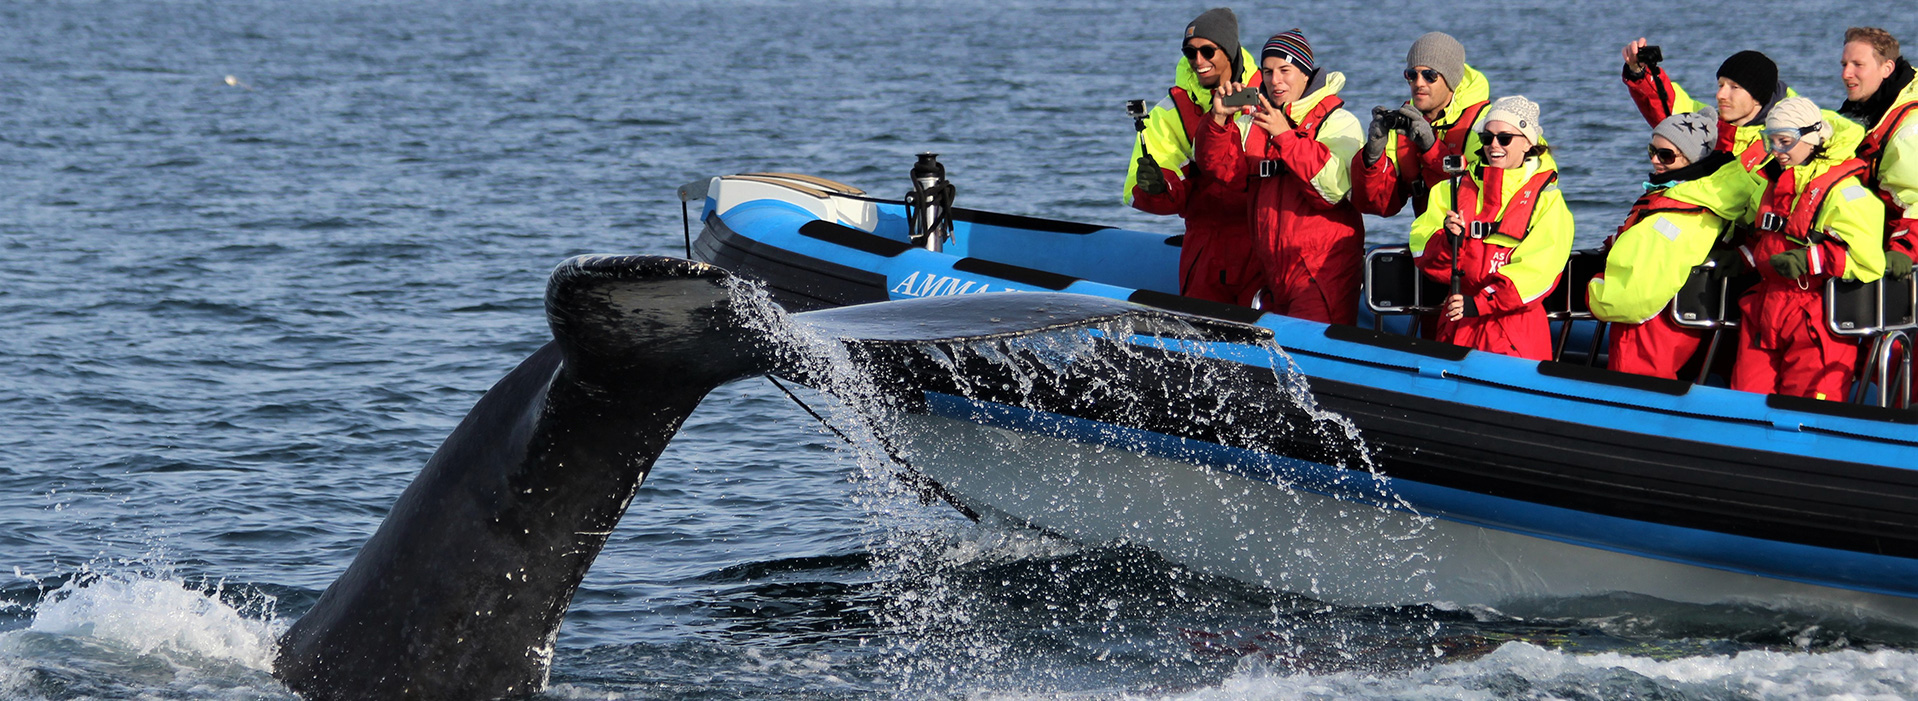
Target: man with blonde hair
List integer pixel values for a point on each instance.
(1880, 93)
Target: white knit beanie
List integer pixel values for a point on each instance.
(1518, 112)
(1798, 113)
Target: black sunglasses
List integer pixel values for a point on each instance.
(1503, 138)
(1193, 52)
(1430, 76)
(1664, 156)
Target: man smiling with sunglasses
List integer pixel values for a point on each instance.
(1405, 148)
(1215, 258)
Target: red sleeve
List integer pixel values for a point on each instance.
(1304, 157)
(1172, 201)
(1375, 188)
(1904, 237)
(1829, 257)
(1218, 152)
(1432, 161)
(1652, 92)
(1497, 295)
(1436, 261)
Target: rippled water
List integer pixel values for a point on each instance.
(236, 318)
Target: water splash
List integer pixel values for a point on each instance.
(1123, 372)
(132, 628)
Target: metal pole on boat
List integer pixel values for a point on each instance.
(929, 203)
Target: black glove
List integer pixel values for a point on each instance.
(1727, 261)
(1793, 263)
(1421, 130)
(1151, 179)
(1897, 265)
(1376, 134)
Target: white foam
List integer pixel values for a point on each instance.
(1542, 673)
(155, 614)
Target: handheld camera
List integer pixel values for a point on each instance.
(1650, 56)
(1137, 110)
(1245, 97)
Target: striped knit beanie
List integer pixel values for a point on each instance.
(1291, 46)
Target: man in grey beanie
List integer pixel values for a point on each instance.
(1405, 148)
(1215, 253)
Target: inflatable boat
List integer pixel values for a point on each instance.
(1411, 471)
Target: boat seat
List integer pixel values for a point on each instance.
(1881, 315)
(1393, 284)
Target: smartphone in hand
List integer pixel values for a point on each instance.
(1245, 97)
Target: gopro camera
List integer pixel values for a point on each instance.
(1650, 56)
(1453, 164)
(1136, 110)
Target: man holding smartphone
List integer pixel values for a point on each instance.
(1215, 259)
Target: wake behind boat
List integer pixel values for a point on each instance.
(1483, 479)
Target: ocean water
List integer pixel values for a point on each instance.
(258, 258)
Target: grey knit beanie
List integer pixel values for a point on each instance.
(1692, 133)
(1517, 111)
(1219, 26)
(1442, 53)
(1798, 113)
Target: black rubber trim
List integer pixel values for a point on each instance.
(841, 235)
(1195, 306)
(1844, 409)
(1585, 373)
(796, 282)
(1014, 221)
(1007, 271)
(1397, 342)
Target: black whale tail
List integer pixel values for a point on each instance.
(461, 591)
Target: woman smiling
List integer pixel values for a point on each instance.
(1507, 234)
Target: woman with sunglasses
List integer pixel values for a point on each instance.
(1500, 233)
(1669, 231)
(1814, 221)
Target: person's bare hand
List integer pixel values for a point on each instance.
(1454, 223)
(1455, 307)
(1631, 56)
(1220, 112)
(1271, 118)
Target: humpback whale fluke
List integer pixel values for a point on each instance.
(460, 593)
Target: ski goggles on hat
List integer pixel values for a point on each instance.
(1194, 52)
(1784, 139)
(1430, 76)
(1663, 156)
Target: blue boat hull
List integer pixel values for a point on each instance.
(1808, 500)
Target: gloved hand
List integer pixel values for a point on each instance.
(1151, 179)
(1727, 260)
(1792, 264)
(1421, 130)
(1375, 135)
(1897, 265)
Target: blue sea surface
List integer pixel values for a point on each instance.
(258, 258)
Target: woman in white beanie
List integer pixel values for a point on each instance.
(1506, 233)
(1670, 230)
(1814, 221)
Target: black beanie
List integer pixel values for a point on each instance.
(1752, 71)
(1219, 26)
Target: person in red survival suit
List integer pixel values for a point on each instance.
(1307, 236)
(1815, 220)
(1405, 148)
(1501, 233)
(1215, 258)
